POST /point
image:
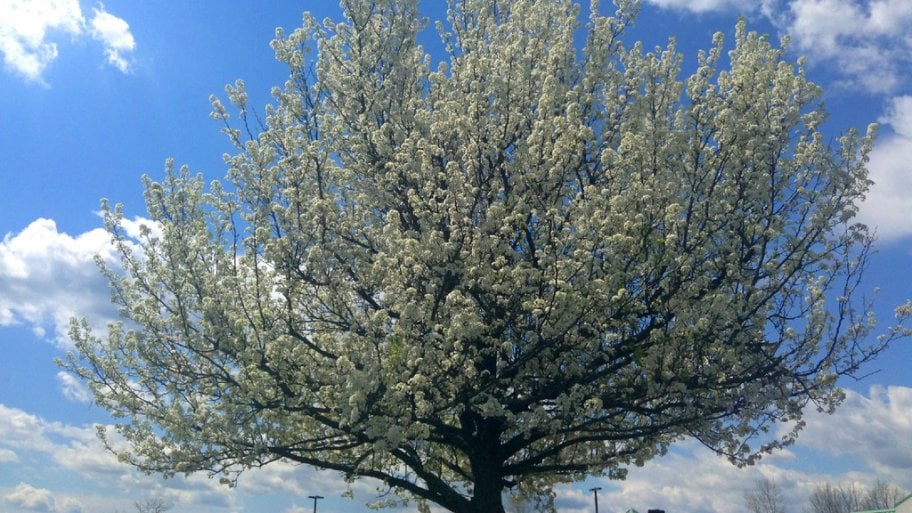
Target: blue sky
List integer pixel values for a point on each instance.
(94, 95)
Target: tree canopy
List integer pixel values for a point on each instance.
(532, 261)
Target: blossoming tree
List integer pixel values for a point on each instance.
(534, 261)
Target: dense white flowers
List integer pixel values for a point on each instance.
(523, 265)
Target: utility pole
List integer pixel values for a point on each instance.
(594, 496)
(316, 497)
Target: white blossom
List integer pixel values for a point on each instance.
(530, 263)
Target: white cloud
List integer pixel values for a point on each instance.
(48, 277)
(300, 481)
(24, 26)
(115, 34)
(7, 455)
(76, 451)
(31, 30)
(891, 17)
(277, 476)
(824, 22)
(41, 499)
(869, 42)
(73, 388)
(874, 430)
(690, 478)
(29, 433)
(899, 116)
(29, 497)
(704, 5)
(871, 430)
(889, 202)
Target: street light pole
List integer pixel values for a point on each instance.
(594, 496)
(316, 497)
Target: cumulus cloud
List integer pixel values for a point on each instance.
(31, 498)
(889, 201)
(77, 451)
(867, 44)
(870, 430)
(300, 481)
(873, 429)
(899, 116)
(278, 476)
(31, 434)
(24, 26)
(31, 30)
(690, 478)
(48, 277)
(868, 41)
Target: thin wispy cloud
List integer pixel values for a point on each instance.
(704, 5)
(72, 388)
(32, 33)
(7, 455)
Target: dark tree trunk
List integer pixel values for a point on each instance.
(487, 496)
(487, 464)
